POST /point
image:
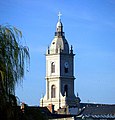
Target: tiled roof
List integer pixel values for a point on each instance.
(98, 111)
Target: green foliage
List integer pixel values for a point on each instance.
(33, 113)
(12, 57)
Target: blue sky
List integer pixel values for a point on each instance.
(89, 26)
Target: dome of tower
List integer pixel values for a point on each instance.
(59, 45)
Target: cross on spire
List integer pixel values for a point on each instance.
(59, 15)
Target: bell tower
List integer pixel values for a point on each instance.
(59, 72)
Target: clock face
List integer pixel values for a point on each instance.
(66, 64)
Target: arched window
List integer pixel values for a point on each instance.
(52, 67)
(53, 91)
(66, 90)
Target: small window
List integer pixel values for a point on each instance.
(53, 91)
(66, 70)
(52, 67)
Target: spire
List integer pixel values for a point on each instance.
(59, 43)
(59, 26)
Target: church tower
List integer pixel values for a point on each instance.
(59, 72)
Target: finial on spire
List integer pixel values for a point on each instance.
(71, 50)
(71, 47)
(59, 15)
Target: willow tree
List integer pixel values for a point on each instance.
(13, 59)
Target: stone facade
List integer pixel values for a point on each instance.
(59, 72)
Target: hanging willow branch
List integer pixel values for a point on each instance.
(13, 58)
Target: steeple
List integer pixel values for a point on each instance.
(59, 71)
(59, 43)
(59, 27)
